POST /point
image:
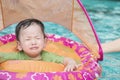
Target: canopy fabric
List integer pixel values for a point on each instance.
(69, 13)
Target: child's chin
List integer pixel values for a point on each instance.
(33, 55)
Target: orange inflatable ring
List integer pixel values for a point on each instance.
(40, 70)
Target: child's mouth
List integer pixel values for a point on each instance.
(34, 48)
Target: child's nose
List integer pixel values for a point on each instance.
(33, 41)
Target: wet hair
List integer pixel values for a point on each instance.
(25, 24)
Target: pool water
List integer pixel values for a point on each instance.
(105, 15)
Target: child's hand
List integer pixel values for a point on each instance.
(71, 64)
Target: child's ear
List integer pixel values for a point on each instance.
(19, 46)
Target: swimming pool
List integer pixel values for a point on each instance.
(105, 15)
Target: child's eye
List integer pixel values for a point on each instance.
(38, 38)
(27, 39)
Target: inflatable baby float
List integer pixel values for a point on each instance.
(72, 16)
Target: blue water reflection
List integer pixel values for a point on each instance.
(105, 15)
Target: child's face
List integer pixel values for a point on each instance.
(32, 40)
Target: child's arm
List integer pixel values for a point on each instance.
(70, 64)
(113, 46)
(2, 55)
(7, 56)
